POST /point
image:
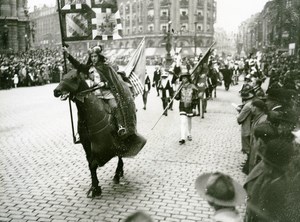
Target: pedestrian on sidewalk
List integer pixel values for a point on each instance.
(185, 97)
(223, 194)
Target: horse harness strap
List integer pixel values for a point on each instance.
(81, 95)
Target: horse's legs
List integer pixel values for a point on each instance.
(215, 92)
(95, 188)
(119, 171)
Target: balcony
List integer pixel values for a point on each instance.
(184, 17)
(150, 18)
(200, 4)
(164, 17)
(164, 3)
(184, 3)
(150, 5)
(200, 18)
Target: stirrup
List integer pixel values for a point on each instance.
(121, 131)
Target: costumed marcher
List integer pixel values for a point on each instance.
(113, 90)
(165, 90)
(244, 119)
(185, 97)
(227, 75)
(156, 77)
(201, 83)
(147, 87)
(223, 194)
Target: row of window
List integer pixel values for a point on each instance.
(164, 28)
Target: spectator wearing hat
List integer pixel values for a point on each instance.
(185, 96)
(223, 194)
(258, 91)
(244, 119)
(156, 77)
(279, 99)
(266, 188)
(258, 110)
(247, 86)
(165, 90)
(285, 122)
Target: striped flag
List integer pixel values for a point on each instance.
(136, 68)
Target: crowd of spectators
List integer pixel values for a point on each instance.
(31, 68)
(269, 123)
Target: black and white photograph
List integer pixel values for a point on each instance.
(150, 111)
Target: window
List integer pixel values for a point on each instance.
(150, 28)
(163, 28)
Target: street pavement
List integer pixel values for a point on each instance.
(45, 177)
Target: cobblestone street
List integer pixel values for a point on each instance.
(45, 177)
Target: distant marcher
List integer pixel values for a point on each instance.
(165, 89)
(147, 87)
(156, 77)
(223, 194)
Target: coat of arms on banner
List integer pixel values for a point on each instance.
(91, 20)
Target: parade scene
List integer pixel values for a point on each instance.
(150, 110)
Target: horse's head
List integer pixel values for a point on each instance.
(71, 84)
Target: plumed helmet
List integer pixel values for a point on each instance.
(96, 49)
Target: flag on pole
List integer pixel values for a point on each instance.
(136, 68)
(203, 60)
(90, 20)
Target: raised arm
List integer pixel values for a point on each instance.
(77, 65)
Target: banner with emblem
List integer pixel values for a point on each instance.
(90, 20)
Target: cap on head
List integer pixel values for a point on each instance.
(96, 49)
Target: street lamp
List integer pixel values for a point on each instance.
(195, 39)
(168, 38)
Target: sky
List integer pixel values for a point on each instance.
(230, 13)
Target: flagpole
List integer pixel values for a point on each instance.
(65, 65)
(181, 85)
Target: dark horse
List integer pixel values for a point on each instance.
(97, 130)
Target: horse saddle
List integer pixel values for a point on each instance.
(133, 144)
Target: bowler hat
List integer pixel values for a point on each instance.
(287, 116)
(220, 189)
(264, 131)
(277, 153)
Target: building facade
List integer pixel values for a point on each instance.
(45, 21)
(190, 24)
(14, 25)
(276, 27)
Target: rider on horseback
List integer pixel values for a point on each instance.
(111, 89)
